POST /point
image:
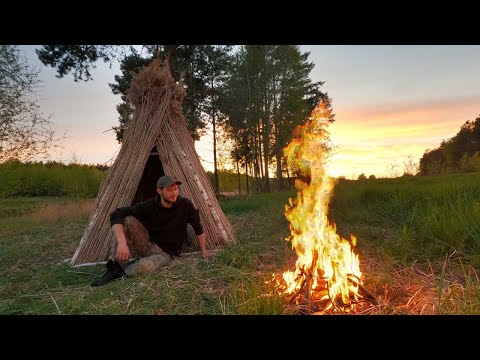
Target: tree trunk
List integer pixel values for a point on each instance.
(215, 170)
(238, 177)
(258, 160)
(278, 157)
(215, 173)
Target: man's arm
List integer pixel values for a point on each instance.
(123, 252)
(203, 247)
(202, 243)
(116, 221)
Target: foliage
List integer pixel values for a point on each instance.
(54, 178)
(131, 63)
(215, 73)
(187, 62)
(267, 96)
(259, 95)
(49, 179)
(470, 163)
(456, 155)
(24, 132)
(79, 59)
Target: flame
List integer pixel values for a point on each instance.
(327, 269)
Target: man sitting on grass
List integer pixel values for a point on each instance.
(151, 232)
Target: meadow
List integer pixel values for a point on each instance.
(418, 244)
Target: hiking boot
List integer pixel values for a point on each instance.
(114, 271)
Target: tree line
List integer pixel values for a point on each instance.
(459, 154)
(253, 96)
(256, 94)
(51, 178)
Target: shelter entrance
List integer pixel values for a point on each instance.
(147, 188)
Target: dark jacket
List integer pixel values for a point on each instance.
(167, 227)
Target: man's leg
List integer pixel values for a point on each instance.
(151, 257)
(147, 265)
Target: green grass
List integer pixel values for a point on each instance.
(36, 280)
(417, 239)
(414, 218)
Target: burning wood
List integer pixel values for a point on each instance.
(318, 300)
(327, 277)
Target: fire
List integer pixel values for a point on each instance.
(327, 275)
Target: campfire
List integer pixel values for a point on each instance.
(327, 278)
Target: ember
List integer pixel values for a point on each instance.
(327, 277)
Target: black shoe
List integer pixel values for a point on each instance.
(114, 271)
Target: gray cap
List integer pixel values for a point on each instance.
(166, 181)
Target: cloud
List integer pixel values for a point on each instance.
(370, 140)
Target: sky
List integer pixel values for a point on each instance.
(391, 103)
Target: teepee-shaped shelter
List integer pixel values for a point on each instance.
(156, 143)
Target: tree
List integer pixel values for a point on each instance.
(432, 162)
(215, 73)
(410, 166)
(268, 94)
(185, 61)
(294, 98)
(393, 169)
(78, 58)
(24, 132)
(265, 96)
(454, 154)
(470, 163)
(131, 63)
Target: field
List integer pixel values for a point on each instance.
(418, 243)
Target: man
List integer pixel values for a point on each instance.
(152, 232)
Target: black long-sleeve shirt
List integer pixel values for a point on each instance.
(167, 227)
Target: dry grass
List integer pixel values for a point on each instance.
(434, 289)
(62, 211)
(419, 289)
(399, 290)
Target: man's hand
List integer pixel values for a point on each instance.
(123, 253)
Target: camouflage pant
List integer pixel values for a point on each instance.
(149, 257)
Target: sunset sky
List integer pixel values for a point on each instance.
(391, 102)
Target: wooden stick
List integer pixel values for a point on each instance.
(367, 295)
(194, 253)
(90, 264)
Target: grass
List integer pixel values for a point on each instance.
(409, 269)
(36, 280)
(415, 218)
(22, 205)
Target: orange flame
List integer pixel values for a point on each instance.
(327, 270)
